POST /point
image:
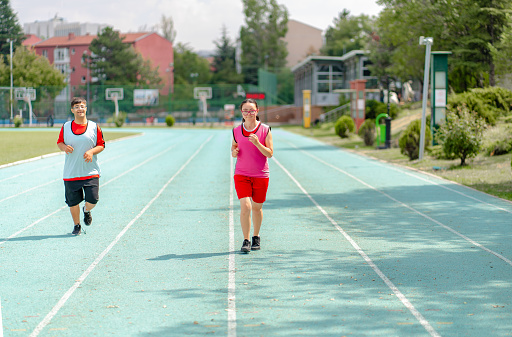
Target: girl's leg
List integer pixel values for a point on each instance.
(245, 217)
(257, 217)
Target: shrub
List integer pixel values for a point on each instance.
(18, 121)
(367, 132)
(488, 103)
(119, 120)
(169, 120)
(344, 125)
(375, 108)
(499, 147)
(409, 141)
(462, 134)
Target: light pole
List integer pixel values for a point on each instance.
(428, 41)
(10, 42)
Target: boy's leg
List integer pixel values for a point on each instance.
(75, 214)
(89, 206)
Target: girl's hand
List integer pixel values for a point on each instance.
(234, 150)
(254, 139)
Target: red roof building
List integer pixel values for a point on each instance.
(30, 39)
(65, 53)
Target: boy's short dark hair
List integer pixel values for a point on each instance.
(78, 100)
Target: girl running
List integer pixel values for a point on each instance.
(252, 146)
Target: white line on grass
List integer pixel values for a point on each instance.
(102, 185)
(232, 266)
(100, 257)
(501, 257)
(386, 280)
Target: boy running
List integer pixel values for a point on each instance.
(82, 140)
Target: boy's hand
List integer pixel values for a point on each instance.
(69, 149)
(88, 156)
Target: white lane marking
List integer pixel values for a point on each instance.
(404, 169)
(30, 189)
(100, 257)
(104, 184)
(232, 266)
(1, 325)
(386, 280)
(501, 257)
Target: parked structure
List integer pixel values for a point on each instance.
(324, 74)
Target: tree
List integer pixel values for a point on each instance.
(224, 68)
(190, 68)
(468, 28)
(349, 33)
(31, 70)
(266, 23)
(114, 62)
(166, 27)
(461, 135)
(10, 29)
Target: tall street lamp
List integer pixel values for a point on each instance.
(428, 41)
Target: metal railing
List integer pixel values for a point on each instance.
(334, 114)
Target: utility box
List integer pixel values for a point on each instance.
(439, 89)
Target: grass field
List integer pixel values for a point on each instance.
(491, 175)
(20, 144)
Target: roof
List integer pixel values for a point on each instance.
(345, 57)
(30, 40)
(86, 39)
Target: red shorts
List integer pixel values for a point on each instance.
(255, 188)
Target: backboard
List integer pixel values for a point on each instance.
(202, 92)
(23, 94)
(114, 94)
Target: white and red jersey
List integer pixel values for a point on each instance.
(82, 137)
(250, 161)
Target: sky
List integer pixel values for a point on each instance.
(198, 23)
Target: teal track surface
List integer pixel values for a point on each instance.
(350, 247)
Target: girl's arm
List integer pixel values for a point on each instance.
(268, 149)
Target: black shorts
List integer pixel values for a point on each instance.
(75, 190)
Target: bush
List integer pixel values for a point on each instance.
(18, 121)
(119, 120)
(488, 103)
(409, 141)
(462, 134)
(344, 125)
(375, 108)
(499, 147)
(367, 132)
(169, 120)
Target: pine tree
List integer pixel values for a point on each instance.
(10, 29)
(224, 61)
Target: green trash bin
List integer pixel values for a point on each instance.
(381, 138)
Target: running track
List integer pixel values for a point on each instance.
(350, 247)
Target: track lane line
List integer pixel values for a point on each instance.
(370, 262)
(1, 324)
(232, 265)
(100, 257)
(102, 185)
(405, 169)
(501, 257)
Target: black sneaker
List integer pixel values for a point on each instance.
(77, 230)
(87, 218)
(246, 246)
(255, 243)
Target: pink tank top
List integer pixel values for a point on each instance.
(250, 161)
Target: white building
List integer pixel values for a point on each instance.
(59, 27)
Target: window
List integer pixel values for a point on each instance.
(83, 79)
(45, 53)
(364, 69)
(73, 51)
(61, 54)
